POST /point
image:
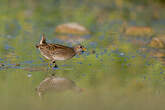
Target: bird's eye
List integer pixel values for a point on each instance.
(80, 46)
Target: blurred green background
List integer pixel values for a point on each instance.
(126, 71)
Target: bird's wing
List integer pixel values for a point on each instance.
(58, 49)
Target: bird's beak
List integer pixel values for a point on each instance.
(84, 49)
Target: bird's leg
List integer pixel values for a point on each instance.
(49, 64)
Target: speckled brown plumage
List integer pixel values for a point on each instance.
(55, 52)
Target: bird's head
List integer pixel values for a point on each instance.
(79, 49)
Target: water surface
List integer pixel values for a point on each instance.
(117, 75)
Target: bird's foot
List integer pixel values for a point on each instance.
(55, 67)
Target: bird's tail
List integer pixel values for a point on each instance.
(43, 39)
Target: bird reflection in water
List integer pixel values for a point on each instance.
(57, 84)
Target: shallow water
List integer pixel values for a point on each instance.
(120, 74)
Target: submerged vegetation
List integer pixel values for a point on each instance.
(122, 69)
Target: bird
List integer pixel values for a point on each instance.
(54, 52)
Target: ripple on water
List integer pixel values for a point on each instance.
(55, 68)
(7, 47)
(1, 59)
(93, 44)
(29, 62)
(79, 63)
